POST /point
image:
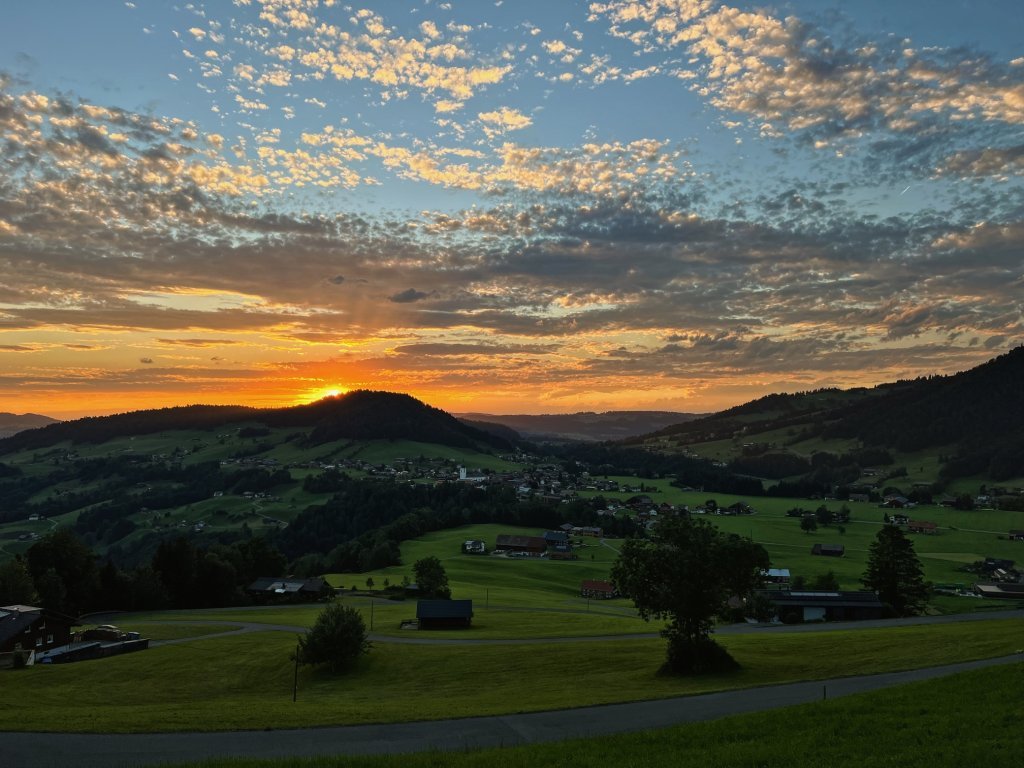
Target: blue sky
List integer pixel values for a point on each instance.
(518, 206)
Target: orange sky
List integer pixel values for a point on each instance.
(615, 205)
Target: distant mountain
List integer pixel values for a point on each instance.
(611, 425)
(976, 418)
(357, 415)
(12, 423)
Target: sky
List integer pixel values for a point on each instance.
(503, 206)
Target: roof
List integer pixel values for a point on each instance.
(511, 540)
(777, 573)
(15, 619)
(556, 536)
(444, 609)
(597, 585)
(858, 599)
(282, 586)
(830, 547)
(921, 524)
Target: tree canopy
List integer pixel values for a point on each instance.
(431, 578)
(894, 572)
(336, 640)
(685, 573)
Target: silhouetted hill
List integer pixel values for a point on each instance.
(12, 423)
(358, 415)
(611, 425)
(975, 416)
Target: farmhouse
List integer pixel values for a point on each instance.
(512, 543)
(270, 588)
(922, 526)
(444, 614)
(602, 590)
(27, 628)
(825, 606)
(828, 550)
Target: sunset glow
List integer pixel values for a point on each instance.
(503, 207)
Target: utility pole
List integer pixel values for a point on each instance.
(295, 684)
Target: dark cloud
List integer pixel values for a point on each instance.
(408, 296)
(146, 360)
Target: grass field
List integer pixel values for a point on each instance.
(946, 723)
(244, 681)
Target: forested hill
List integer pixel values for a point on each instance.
(975, 416)
(358, 415)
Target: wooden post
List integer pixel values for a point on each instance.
(295, 684)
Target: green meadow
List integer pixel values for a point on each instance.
(245, 680)
(945, 723)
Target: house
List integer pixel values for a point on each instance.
(794, 607)
(274, 589)
(828, 550)
(512, 543)
(444, 614)
(28, 628)
(602, 590)
(1016, 535)
(588, 530)
(922, 526)
(895, 501)
(474, 547)
(776, 575)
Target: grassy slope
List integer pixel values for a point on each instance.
(948, 722)
(244, 681)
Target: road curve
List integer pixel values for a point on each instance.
(49, 750)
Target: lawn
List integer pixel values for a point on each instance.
(245, 681)
(934, 724)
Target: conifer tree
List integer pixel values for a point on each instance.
(894, 572)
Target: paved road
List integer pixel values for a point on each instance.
(47, 750)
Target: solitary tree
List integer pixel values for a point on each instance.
(894, 572)
(336, 639)
(431, 578)
(685, 573)
(808, 524)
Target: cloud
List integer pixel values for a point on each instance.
(408, 296)
(146, 360)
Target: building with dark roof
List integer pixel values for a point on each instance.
(444, 614)
(513, 543)
(275, 588)
(828, 550)
(825, 606)
(28, 628)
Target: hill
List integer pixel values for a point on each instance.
(12, 423)
(357, 415)
(611, 425)
(966, 424)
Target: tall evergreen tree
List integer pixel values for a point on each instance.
(894, 572)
